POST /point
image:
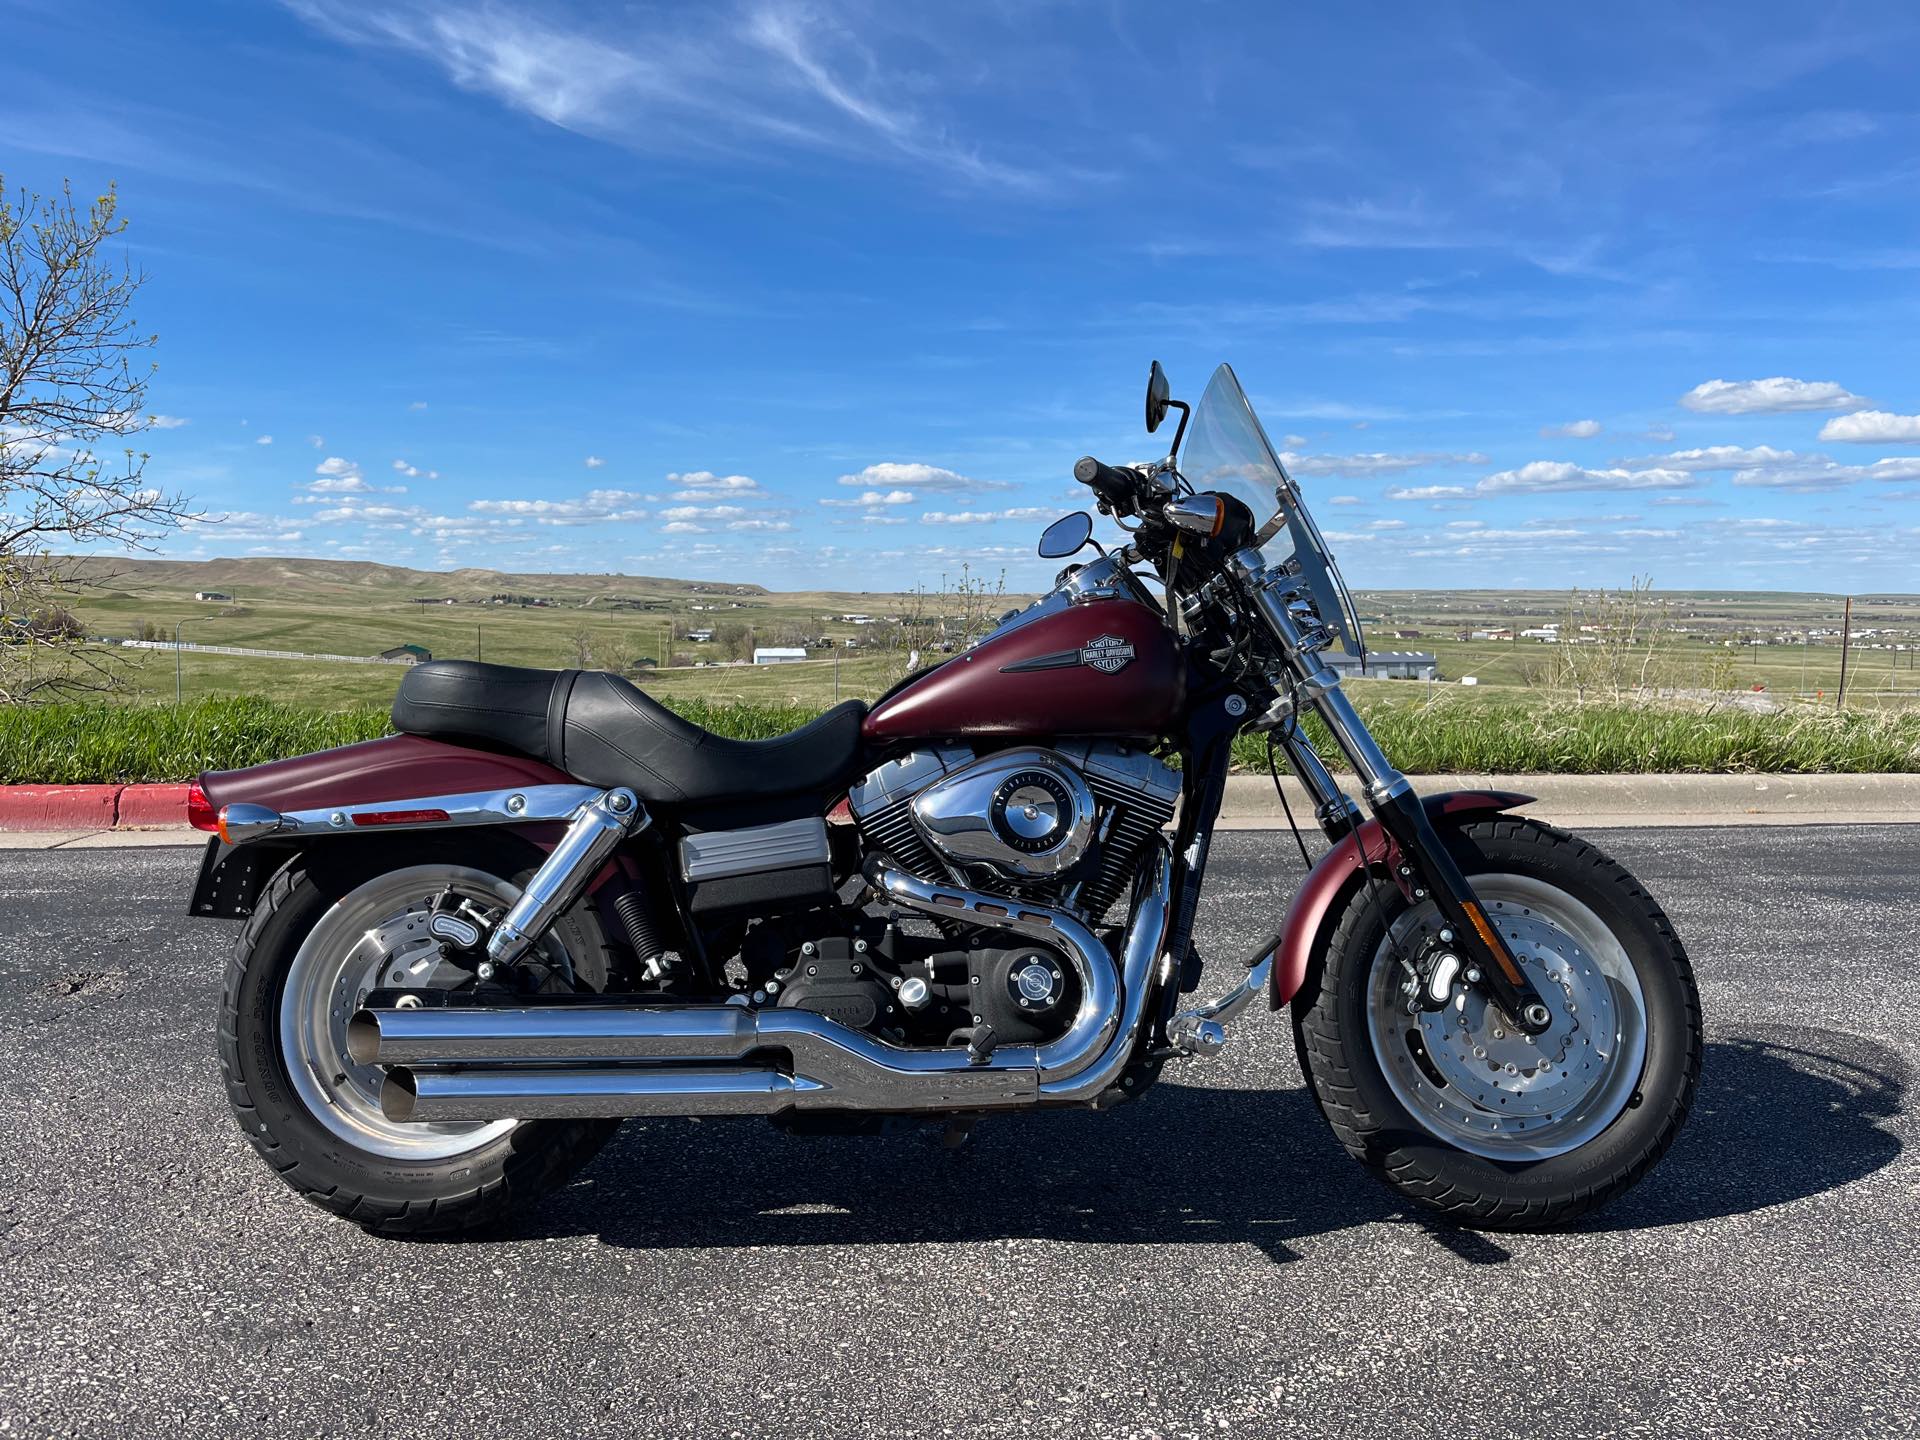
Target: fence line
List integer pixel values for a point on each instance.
(261, 654)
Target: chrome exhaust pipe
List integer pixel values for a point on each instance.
(436, 1096)
(585, 1059)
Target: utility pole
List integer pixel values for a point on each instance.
(1846, 643)
(478, 653)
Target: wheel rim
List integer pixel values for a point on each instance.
(375, 937)
(1470, 1079)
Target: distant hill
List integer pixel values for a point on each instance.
(292, 577)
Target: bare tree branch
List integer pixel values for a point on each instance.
(73, 384)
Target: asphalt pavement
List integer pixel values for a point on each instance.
(1203, 1262)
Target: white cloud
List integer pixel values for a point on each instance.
(706, 480)
(760, 78)
(958, 517)
(345, 485)
(1572, 430)
(1294, 442)
(1817, 472)
(334, 465)
(1540, 477)
(1430, 492)
(1358, 466)
(166, 422)
(1346, 500)
(683, 527)
(916, 476)
(759, 526)
(264, 440)
(317, 441)
(414, 472)
(1721, 457)
(1872, 427)
(592, 508)
(593, 462)
(1778, 395)
(872, 498)
(237, 525)
(418, 405)
(703, 512)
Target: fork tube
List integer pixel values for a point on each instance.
(1395, 804)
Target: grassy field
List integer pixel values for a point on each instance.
(318, 606)
(244, 709)
(83, 744)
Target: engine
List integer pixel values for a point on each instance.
(1065, 825)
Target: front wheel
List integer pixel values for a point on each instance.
(1456, 1109)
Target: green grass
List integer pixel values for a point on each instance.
(99, 744)
(1454, 734)
(83, 744)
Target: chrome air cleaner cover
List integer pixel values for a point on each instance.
(1026, 813)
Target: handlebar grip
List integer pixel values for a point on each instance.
(1109, 480)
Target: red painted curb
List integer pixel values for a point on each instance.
(92, 807)
(157, 805)
(58, 807)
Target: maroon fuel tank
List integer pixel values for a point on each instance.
(1108, 667)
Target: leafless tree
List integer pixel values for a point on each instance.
(1613, 643)
(73, 390)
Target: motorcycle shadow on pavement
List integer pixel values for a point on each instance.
(1783, 1113)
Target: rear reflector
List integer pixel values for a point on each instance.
(400, 817)
(200, 813)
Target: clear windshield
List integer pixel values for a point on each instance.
(1227, 450)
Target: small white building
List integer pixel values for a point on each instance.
(204, 595)
(777, 654)
(1387, 665)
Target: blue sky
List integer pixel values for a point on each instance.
(834, 294)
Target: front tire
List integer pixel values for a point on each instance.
(1460, 1115)
(325, 931)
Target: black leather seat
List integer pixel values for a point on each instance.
(601, 729)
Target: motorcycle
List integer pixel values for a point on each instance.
(547, 902)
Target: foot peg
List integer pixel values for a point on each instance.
(1191, 1035)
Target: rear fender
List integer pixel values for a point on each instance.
(393, 770)
(1316, 909)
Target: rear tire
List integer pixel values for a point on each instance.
(1421, 1138)
(378, 1179)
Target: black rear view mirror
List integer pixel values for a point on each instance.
(1066, 535)
(1158, 393)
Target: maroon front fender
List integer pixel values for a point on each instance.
(1316, 908)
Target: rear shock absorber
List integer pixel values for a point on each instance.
(636, 915)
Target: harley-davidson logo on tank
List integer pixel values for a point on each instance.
(1109, 654)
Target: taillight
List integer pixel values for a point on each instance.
(200, 811)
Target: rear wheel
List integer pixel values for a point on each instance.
(1457, 1110)
(325, 934)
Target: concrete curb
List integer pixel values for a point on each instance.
(1577, 801)
(92, 807)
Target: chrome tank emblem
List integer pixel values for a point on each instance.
(1108, 654)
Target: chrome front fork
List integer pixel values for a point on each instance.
(596, 828)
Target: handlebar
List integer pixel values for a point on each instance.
(1120, 487)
